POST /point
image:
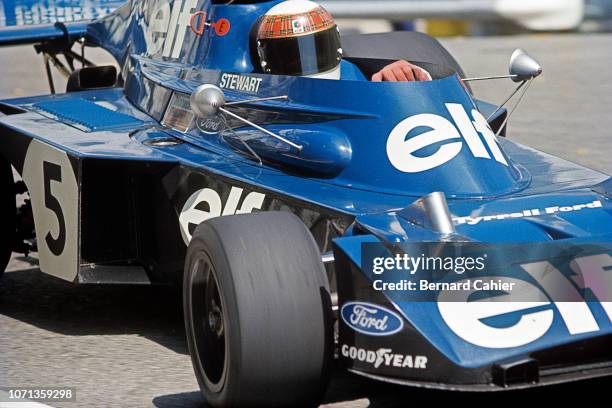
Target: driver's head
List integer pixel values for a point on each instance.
(299, 37)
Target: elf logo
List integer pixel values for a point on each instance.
(522, 322)
(206, 203)
(166, 27)
(401, 148)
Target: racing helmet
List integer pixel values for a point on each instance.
(299, 37)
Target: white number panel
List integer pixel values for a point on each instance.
(54, 192)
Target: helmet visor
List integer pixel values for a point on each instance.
(301, 55)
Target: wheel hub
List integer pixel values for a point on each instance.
(215, 321)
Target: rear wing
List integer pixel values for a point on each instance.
(36, 21)
(53, 27)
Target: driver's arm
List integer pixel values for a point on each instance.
(401, 71)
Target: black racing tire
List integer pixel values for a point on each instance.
(7, 213)
(257, 311)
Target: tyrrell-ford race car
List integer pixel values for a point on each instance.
(273, 199)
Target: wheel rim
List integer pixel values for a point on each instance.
(209, 323)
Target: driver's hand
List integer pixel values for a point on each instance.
(401, 71)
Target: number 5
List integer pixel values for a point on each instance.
(53, 172)
(52, 183)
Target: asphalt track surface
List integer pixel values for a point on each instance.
(125, 346)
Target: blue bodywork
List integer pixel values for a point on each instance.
(345, 168)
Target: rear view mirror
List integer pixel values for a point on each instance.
(523, 67)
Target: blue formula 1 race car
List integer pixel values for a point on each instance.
(271, 199)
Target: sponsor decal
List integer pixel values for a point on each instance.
(466, 130)
(371, 319)
(211, 125)
(383, 357)
(478, 321)
(20, 13)
(166, 26)
(206, 203)
(166, 23)
(534, 212)
(297, 26)
(244, 83)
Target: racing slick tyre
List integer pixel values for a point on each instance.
(257, 311)
(7, 213)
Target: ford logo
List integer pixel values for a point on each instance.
(371, 319)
